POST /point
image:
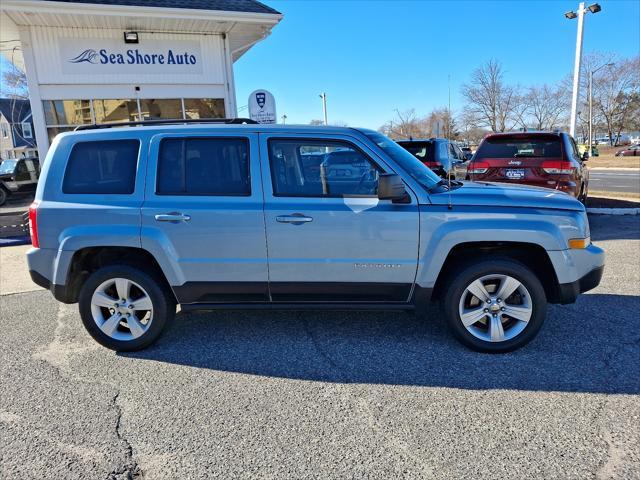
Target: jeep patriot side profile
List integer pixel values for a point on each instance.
(129, 222)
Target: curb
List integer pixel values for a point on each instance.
(614, 211)
(15, 241)
(625, 169)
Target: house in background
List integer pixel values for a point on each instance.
(17, 139)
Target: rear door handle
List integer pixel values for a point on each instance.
(173, 217)
(294, 218)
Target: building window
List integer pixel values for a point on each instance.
(109, 111)
(65, 115)
(155, 109)
(204, 108)
(5, 129)
(26, 130)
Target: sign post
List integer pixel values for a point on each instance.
(262, 107)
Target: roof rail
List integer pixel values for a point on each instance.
(227, 121)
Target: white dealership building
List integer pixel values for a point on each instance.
(100, 61)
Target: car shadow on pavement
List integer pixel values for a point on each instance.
(581, 348)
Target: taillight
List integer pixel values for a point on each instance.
(478, 167)
(33, 224)
(430, 164)
(557, 168)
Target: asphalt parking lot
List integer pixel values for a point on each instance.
(326, 395)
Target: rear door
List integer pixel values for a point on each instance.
(329, 237)
(203, 214)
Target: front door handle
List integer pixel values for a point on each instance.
(173, 217)
(294, 218)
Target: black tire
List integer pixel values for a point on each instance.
(164, 306)
(3, 196)
(464, 276)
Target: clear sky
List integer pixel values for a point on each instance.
(372, 57)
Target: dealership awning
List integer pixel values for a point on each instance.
(245, 22)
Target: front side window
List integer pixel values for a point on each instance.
(321, 168)
(103, 167)
(204, 166)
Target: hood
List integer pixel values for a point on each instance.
(488, 194)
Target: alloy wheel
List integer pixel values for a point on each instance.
(495, 308)
(122, 309)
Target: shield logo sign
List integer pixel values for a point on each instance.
(261, 98)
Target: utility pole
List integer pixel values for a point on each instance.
(323, 96)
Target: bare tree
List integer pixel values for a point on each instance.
(494, 104)
(315, 121)
(546, 106)
(15, 82)
(406, 124)
(616, 92)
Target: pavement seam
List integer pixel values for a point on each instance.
(129, 469)
(57, 354)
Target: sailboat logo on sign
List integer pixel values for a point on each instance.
(261, 99)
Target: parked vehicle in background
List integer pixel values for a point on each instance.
(439, 154)
(128, 222)
(583, 149)
(18, 177)
(632, 151)
(541, 159)
(467, 152)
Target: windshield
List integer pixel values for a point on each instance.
(513, 147)
(410, 164)
(7, 166)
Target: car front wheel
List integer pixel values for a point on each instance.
(495, 306)
(124, 308)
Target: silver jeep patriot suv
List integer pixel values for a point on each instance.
(130, 222)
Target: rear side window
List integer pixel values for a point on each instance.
(543, 146)
(204, 166)
(105, 167)
(423, 151)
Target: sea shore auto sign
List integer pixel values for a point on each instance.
(262, 107)
(110, 56)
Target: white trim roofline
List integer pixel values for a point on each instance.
(53, 7)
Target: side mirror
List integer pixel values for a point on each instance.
(391, 187)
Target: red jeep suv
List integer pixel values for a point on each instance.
(541, 159)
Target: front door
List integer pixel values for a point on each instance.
(329, 238)
(203, 215)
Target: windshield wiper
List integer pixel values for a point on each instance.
(530, 155)
(441, 183)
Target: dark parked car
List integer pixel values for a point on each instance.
(542, 159)
(631, 151)
(439, 154)
(18, 177)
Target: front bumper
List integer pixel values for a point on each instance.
(568, 292)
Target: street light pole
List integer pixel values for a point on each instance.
(576, 71)
(323, 96)
(591, 72)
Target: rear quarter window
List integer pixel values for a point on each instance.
(102, 167)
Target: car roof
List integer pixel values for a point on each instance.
(250, 128)
(523, 134)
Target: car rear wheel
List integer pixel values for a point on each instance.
(3, 196)
(124, 308)
(495, 306)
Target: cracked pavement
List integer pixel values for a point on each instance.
(327, 394)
